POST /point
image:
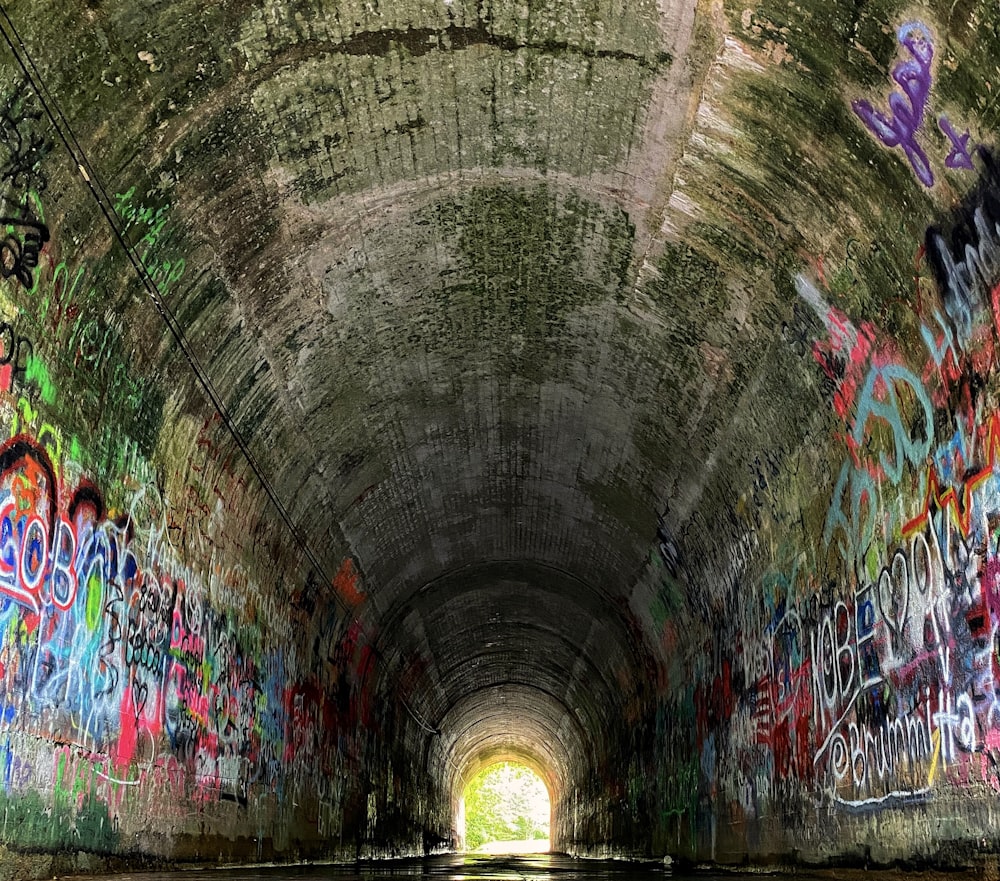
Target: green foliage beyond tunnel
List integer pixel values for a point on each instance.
(505, 802)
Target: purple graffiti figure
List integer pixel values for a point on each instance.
(959, 157)
(900, 128)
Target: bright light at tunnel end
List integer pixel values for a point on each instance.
(505, 807)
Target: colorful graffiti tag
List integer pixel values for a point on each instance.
(896, 670)
(110, 643)
(869, 676)
(144, 672)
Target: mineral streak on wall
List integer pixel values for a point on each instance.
(608, 386)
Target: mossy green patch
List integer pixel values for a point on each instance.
(824, 37)
(621, 503)
(78, 823)
(857, 204)
(198, 302)
(969, 44)
(528, 258)
(691, 281)
(497, 104)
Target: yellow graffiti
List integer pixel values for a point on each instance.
(936, 737)
(50, 437)
(27, 413)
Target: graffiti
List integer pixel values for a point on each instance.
(885, 409)
(66, 333)
(681, 788)
(16, 353)
(883, 404)
(920, 675)
(669, 567)
(104, 629)
(908, 107)
(905, 681)
(869, 673)
(347, 584)
(959, 156)
(21, 247)
(906, 117)
(966, 262)
(844, 356)
(23, 147)
(902, 675)
(150, 663)
(147, 227)
(878, 694)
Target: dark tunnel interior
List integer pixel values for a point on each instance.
(390, 389)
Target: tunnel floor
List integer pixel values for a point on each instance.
(526, 867)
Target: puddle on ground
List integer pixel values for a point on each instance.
(512, 867)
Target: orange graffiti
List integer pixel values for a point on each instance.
(347, 583)
(958, 502)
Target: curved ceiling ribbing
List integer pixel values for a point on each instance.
(457, 267)
(449, 355)
(478, 731)
(437, 273)
(513, 623)
(550, 317)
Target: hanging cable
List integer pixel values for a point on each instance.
(92, 180)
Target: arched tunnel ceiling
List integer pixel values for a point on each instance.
(479, 731)
(488, 288)
(493, 630)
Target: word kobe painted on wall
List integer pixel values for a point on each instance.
(107, 640)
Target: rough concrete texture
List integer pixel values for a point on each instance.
(395, 387)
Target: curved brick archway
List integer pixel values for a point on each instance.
(386, 388)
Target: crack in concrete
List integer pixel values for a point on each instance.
(421, 41)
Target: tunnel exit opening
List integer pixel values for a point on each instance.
(505, 808)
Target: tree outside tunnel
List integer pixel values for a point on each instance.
(506, 802)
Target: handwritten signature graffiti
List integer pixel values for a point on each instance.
(24, 145)
(965, 257)
(907, 108)
(21, 248)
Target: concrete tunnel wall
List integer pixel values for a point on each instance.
(392, 388)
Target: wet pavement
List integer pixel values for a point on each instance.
(511, 867)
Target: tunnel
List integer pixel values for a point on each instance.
(392, 388)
